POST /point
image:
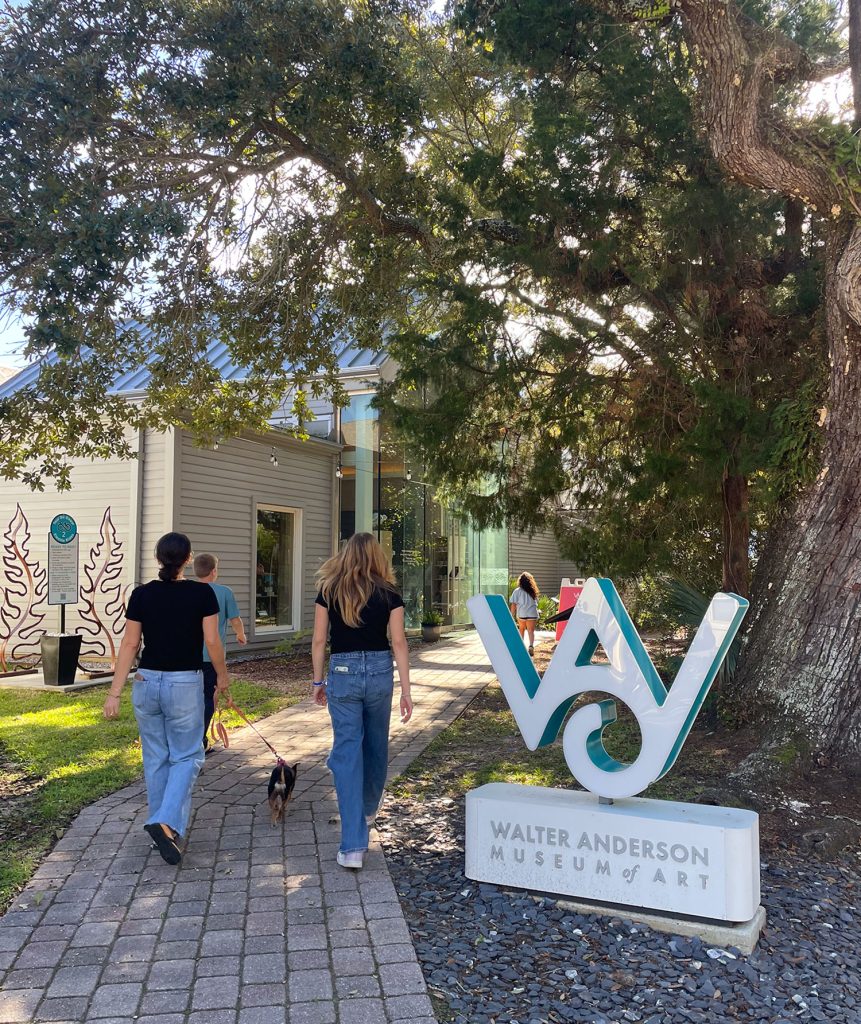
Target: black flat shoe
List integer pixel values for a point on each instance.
(166, 846)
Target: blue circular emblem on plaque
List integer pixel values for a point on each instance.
(63, 528)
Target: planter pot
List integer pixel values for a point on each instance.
(430, 634)
(60, 659)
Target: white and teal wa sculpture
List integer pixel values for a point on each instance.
(665, 718)
(609, 846)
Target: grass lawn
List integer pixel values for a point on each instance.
(57, 754)
(484, 745)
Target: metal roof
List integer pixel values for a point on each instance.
(350, 359)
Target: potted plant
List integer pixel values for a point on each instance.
(431, 626)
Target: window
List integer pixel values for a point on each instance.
(276, 572)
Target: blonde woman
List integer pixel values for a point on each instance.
(357, 607)
(524, 606)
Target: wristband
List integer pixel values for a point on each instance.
(321, 683)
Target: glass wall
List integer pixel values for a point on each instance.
(360, 460)
(440, 559)
(276, 562)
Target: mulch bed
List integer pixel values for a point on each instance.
(290, 676)
(495, 955)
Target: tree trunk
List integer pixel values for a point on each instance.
(801, 670)
(801, 667)
(736, 534)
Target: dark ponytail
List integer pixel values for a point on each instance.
(172, 552)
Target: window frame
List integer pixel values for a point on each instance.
(295, 625)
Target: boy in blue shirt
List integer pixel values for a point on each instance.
(206, 570)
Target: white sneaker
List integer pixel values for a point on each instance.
(354, 859)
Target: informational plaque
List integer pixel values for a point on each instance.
(63, 561)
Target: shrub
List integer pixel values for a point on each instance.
(289, 644)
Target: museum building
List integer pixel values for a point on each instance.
(273, 508)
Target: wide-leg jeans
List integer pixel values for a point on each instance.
(359, 688)
(169, 711)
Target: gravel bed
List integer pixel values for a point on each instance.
(496, 955)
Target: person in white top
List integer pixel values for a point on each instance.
(524, 606)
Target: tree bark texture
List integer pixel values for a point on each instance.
(802, 659)
(801, 668)
(735, 534)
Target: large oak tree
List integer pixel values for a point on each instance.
(173, 170)
(802, 657)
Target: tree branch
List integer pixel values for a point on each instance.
(855, 58)
(386, 224)
(738, 63)
(828, 66)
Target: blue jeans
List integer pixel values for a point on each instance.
(169, 711)
(359, 691)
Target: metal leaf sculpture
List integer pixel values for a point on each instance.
(26, 585)
(103, 571)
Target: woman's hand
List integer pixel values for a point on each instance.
(112, 706)
(222, 684)
(406, 707)
(320, 697)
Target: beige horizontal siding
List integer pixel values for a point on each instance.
(569, 569)
(217, 509)
(96, 486)
(539, 555)
(153, 488)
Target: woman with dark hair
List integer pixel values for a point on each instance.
(174, 617)
(524, 606)
(358, 608)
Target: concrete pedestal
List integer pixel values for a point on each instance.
(687, 859)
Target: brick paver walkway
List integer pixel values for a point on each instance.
(259, 925)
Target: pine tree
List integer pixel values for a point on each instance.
(639, 329)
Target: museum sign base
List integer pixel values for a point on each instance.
(696, 866)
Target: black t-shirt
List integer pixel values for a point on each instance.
(171, 615)
(371, 635)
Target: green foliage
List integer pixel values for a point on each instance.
(686, 608)
(645, 598)
(289, 645)
(431, 617)
(176, 173)
(580, 304)
(647, 318)
(547, 607)
(794, 459)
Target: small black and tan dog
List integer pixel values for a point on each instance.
(281, 784)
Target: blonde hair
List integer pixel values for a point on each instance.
(348, 579)
(527, 583)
